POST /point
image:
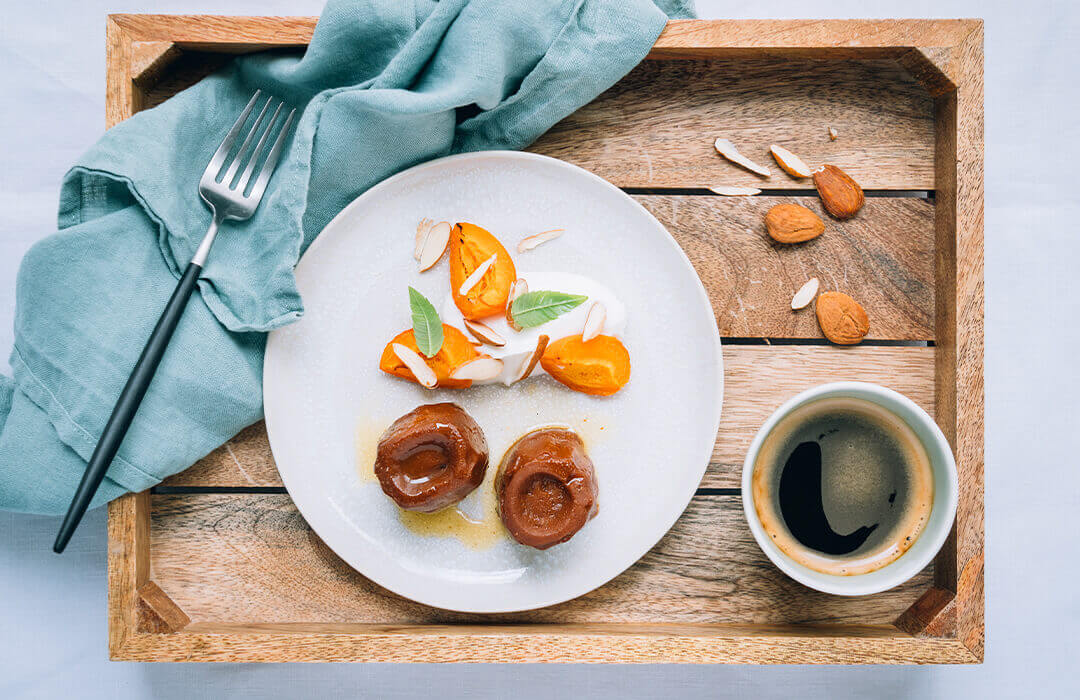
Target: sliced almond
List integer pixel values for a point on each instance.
(484, 333)
(422, 229)
(477, 275)
(732, 191)
(519, 287)
(530, 242)
(529, 364)
(594, 322)
(805, 295)
(791, 163)
(420, 369)
(479, 370)
(727, 149)
(435, 242)
(833, 135)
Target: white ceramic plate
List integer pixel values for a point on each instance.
(650, 442)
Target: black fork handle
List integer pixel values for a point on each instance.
(127, 405)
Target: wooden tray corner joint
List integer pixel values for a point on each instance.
(217, 565)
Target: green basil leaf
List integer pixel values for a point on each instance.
(426, 325)
(534, 308)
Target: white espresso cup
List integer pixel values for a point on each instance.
(942, 511)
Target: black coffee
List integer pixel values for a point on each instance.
(843, 486)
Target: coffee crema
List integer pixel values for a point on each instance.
(843, 486)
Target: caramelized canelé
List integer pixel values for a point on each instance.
(431, 457)
(546, 488)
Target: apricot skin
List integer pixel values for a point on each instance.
(599, 367)
(455, 351)
(470, 246)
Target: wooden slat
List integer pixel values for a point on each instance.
(486, 643)
(219, 32)
(757, 380)
(959, 314)
(119, 91)
(129, 563)
(679, 38)
(252, 558)
(884, 257)
(794, 37)
(656, 127)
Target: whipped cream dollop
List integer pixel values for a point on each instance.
(521, 344)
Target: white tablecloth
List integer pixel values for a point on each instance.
(52, 609)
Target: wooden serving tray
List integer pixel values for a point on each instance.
(217, 565)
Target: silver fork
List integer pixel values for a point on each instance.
(229, 197)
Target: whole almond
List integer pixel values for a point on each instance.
(842, 319)
(793, 223)
(841, 196)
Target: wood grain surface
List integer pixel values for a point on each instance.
(656, 127)
(252, 558)
(757, 379)
(815, 37)
(680, 37)
(959, 318)
(884, 257)
(488, 643)
(129, 564)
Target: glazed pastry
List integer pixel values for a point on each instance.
(431, 457)
(546, 488)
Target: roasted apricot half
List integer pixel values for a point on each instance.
(456, 350)
(470, 247)
(600, 366)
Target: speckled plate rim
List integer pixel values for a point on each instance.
(319, 518)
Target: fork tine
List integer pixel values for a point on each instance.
(242, 184)
(238, 160)
(272, 159)
(230, 138)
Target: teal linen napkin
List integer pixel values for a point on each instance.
(384, 84)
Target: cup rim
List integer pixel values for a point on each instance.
(908, 564)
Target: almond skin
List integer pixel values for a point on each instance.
(842, 319)
(841, 196)
(793, 223)
(529, 365)
(792, 164)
